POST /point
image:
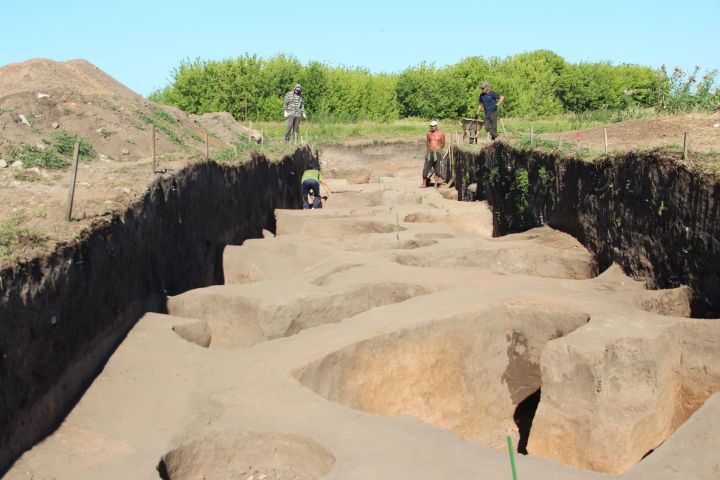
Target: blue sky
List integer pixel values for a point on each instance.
(139, 42)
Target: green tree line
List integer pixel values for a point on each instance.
(535, 84)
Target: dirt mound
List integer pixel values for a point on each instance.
(44, 104)
(41, 97)
(41, 75)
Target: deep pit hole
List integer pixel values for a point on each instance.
(230, 320)
(476, 375)
(523, 418)
(239, 455)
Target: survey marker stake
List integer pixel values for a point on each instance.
(512, 457)
(73, 177)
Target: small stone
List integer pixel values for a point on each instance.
(3, 164)
(126, 190)
(42, 95)
(55, 125)
(41, 146)
(17, 164)
(24, 120)
(34, 169)
(125, 151)
(99, 130)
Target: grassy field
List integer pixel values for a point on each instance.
(317, 133)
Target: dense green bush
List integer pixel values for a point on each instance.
(538, 83)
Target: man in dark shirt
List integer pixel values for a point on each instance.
(489, 101)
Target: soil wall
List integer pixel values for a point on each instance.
(645, 211)
(62, 316)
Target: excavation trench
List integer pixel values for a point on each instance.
(63, 314)
(476, 375)
(647, 212)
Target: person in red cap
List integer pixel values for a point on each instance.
(435, 144)
(489, 101)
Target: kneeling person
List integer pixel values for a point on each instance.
(311, 181)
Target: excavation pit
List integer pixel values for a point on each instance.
(475, 375)
(238, 455)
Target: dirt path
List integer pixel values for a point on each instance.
(389, 336)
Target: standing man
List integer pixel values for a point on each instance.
(294, 108)
(489, 101)
(433, 157)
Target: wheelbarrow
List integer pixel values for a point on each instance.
(471, 129)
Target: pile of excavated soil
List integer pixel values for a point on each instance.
(41, 99)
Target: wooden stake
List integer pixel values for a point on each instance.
(560, 144)
(207, 147)
(250, 133)
(606, 142)
(685, 146)
(503, 125)
(152, 142)
(532, 136)
(245, 108)
(73, 177)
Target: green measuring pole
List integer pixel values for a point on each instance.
(512, 457)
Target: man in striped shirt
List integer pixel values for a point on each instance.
(294, 109)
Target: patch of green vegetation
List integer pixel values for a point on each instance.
(64, 144)
(26, 176)
(56, 156)
(546, 178)
(225, 155)
(164, 123)
(494, 176)
(522, 187)
(163, 115)
(15, 237)
(106, 133)
(35, 157)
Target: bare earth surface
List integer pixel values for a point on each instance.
(389, 336)
(77, 98)
(653, 132)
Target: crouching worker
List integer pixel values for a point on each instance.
(311, 181)
(435, 144)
